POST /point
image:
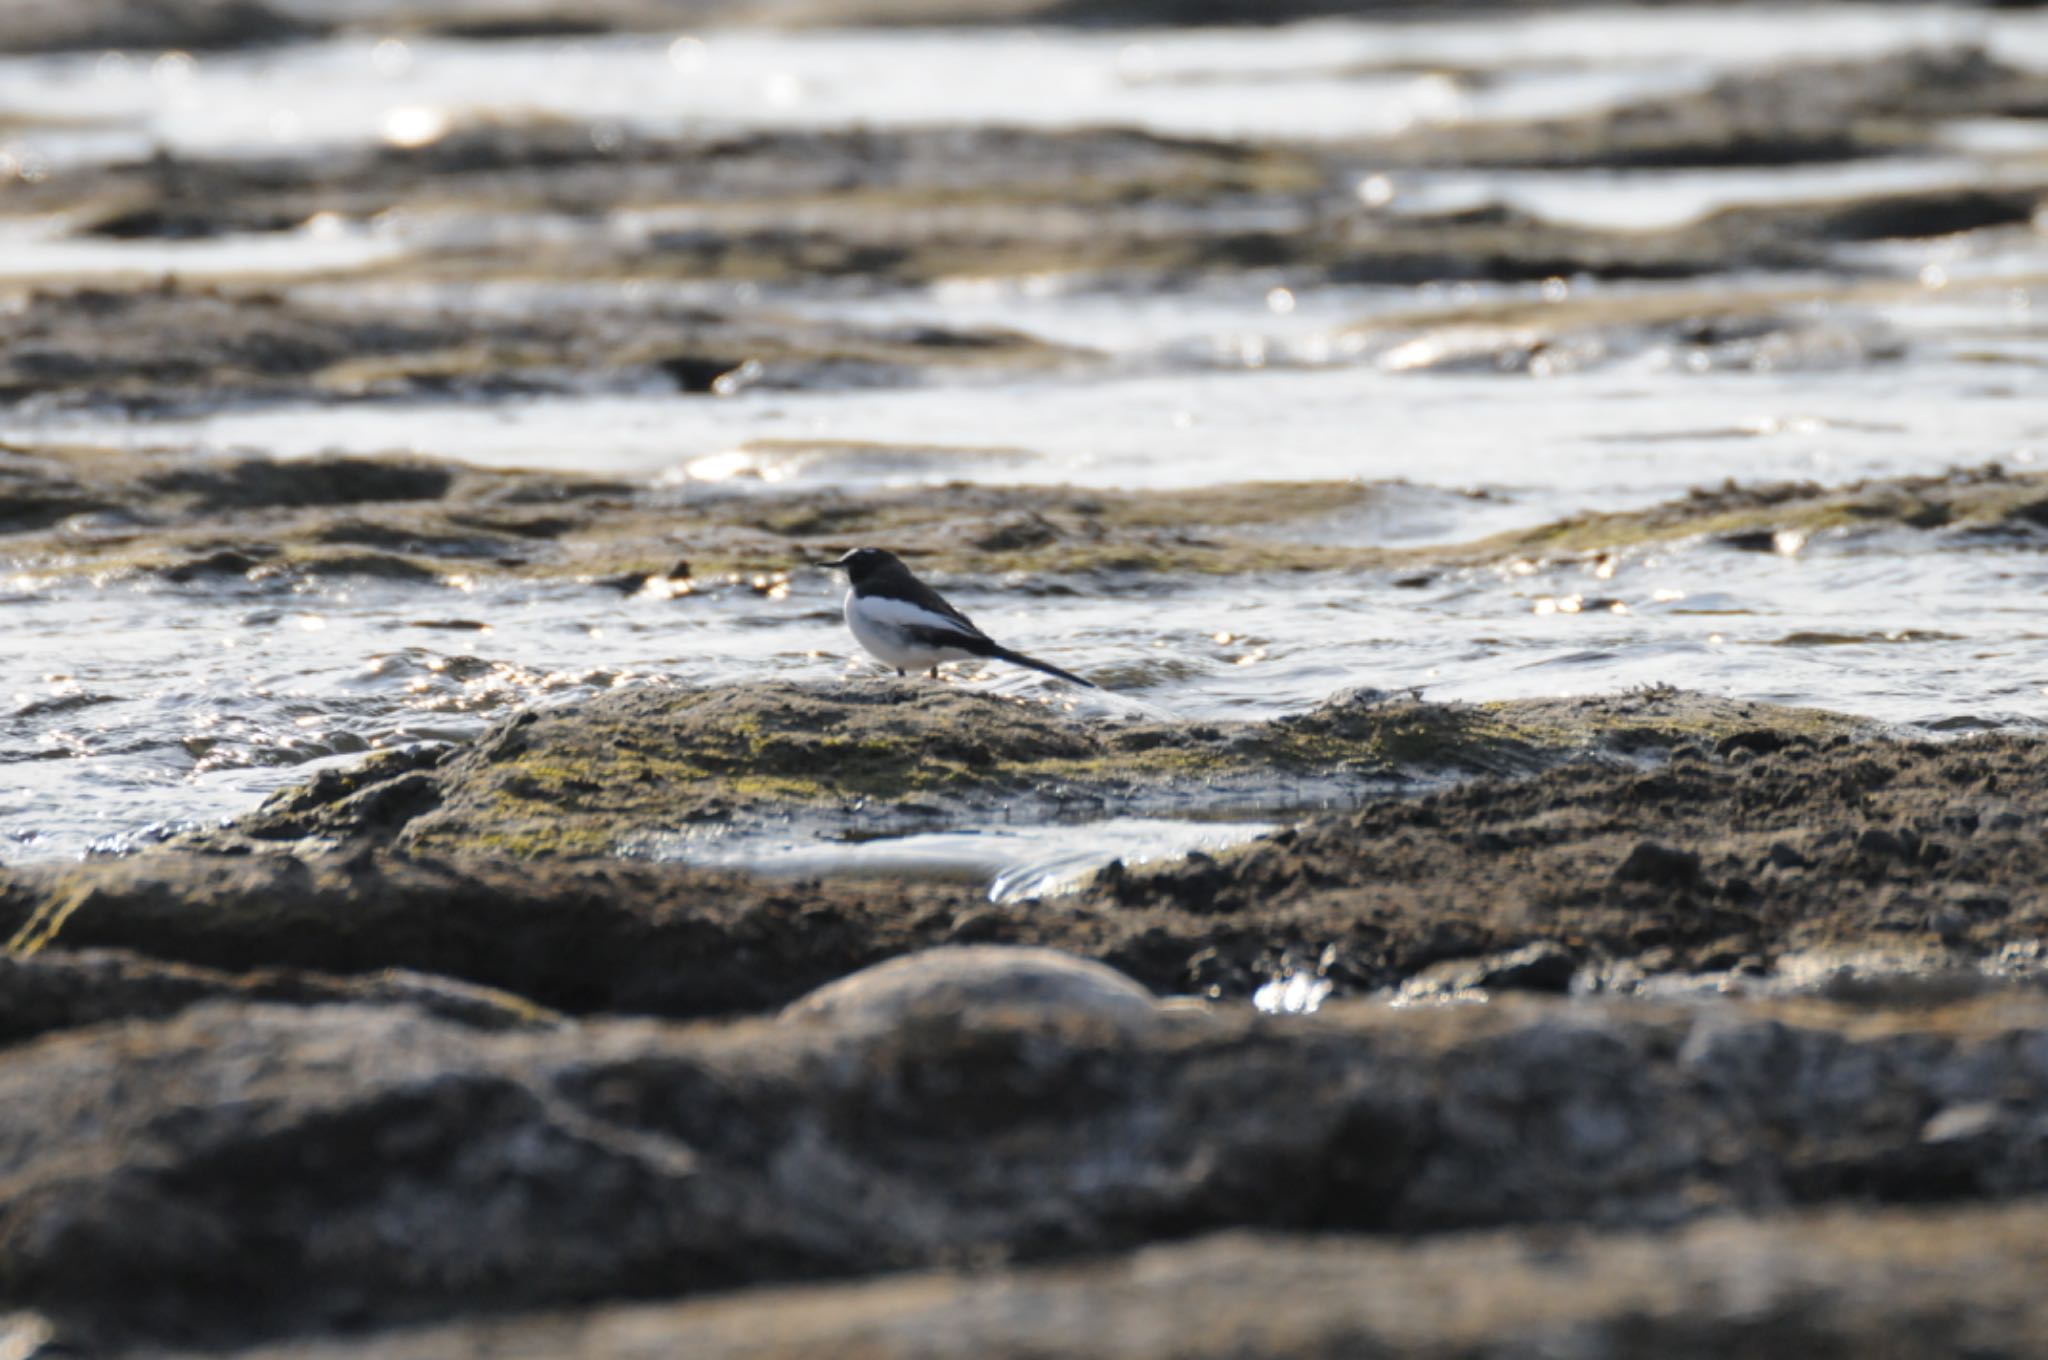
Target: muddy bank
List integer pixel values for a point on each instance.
(75, 509)
(1891, 1282)
(241, 1171)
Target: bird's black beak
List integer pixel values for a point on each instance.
(839, 561)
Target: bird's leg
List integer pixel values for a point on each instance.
(933, 673)
(899, 672)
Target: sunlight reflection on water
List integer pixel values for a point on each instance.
(129, 707)
(215, 697)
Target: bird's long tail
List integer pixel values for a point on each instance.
(1019, 659)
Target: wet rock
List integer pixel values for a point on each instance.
(1498, 864)
(1763, 741)
(253, 483)
(1658, 864)
(385, 792)
(167, 344)
(1029, 530)
(965, 980)
(1541, 967)
(1839, 1282)
(1127, 238)
(1518, 861)
(1784, 856)
(1786, 114)
(445, 517)
(223, 562)
(242, 1170)
(185, 347)
(93, 25)
(695, 372)
(623, 769)
(40, 493)
(615, 937)
(1139, 209)
(162, 512)
(1982, 501)
(97, 25)
(62, 989)
(1878, 217)
(431, 518)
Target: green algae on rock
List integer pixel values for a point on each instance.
(1660, 835)
(643, 767)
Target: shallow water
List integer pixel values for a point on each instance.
(132, 708)
(1333, 78)
(135, 709)
(1015, 862)
(1621, 437)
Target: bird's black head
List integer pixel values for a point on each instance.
(862, 563)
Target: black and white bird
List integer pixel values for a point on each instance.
(906, 624)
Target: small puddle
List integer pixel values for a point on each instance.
(1015, 863)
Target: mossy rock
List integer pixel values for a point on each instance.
(647, 768)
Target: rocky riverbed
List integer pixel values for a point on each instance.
(362, 1062)
(1551, 497)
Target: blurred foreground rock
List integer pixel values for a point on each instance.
(275, 1118)
(248, 1170)
(1882, 1283)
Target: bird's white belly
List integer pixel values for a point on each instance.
(887, 641)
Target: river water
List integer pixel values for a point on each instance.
(131, 707)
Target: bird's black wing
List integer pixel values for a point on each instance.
(913, 591)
